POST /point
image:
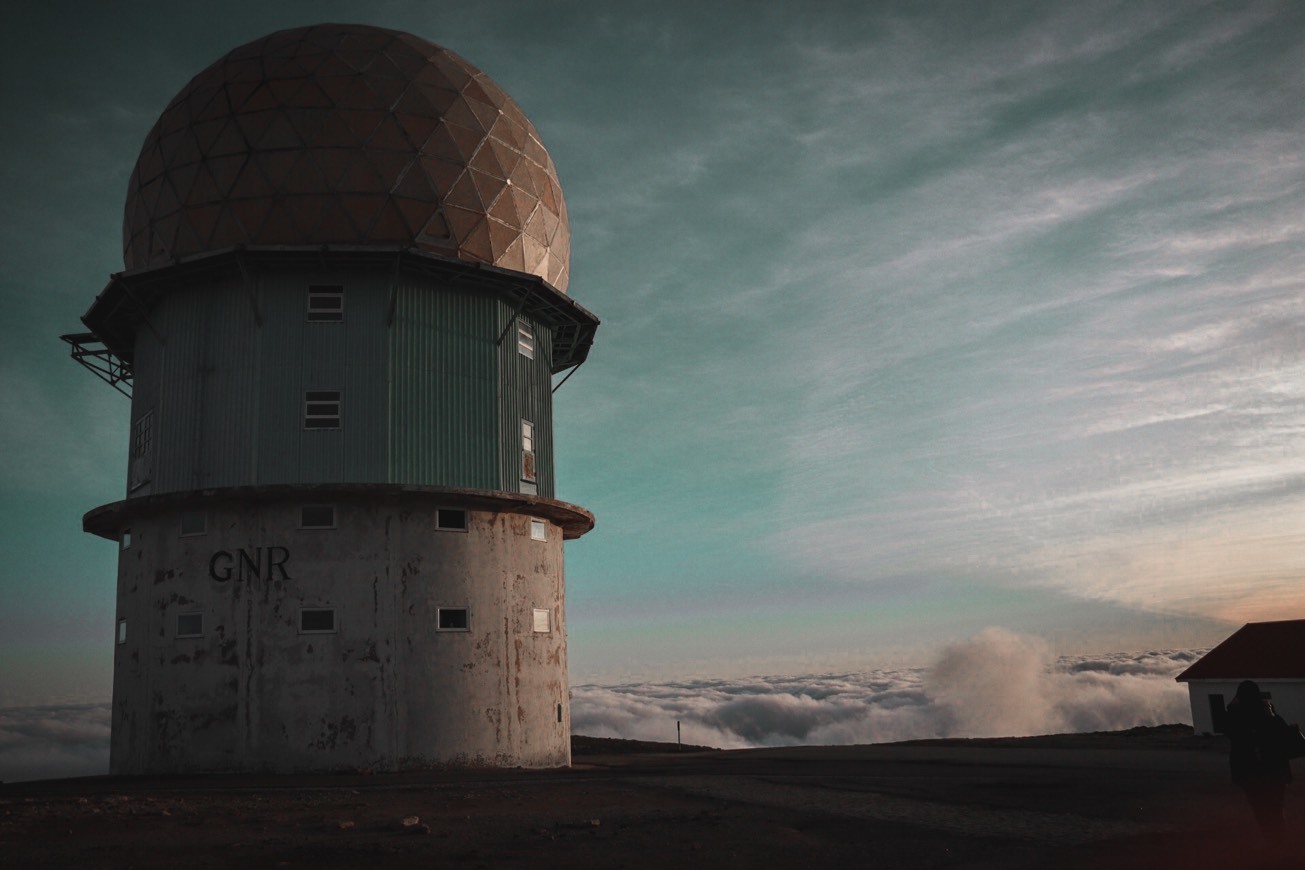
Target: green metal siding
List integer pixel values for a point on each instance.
(347, 356)
(429, 396)
(443, 387)
(526, 394)
(203, 413)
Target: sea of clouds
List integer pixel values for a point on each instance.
(995, 684)
(54, 741)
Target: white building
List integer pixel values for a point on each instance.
(1270, 653)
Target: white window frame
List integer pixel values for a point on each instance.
(325, 313)
(542, 621)
(335, 623)
(467, 618)
(315, 527)
(529, 471)
(525, 340)
(177, 625)
(538, 530)
(317, 412)
(440, 527)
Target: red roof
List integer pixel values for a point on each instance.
(1256, 651)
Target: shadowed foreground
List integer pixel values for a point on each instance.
(1144, 798)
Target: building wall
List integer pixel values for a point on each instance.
(385, 689)
(433, 389)
(1288, 698)
(526, 396)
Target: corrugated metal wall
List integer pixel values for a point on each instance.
(442, 387)
(203, 383)
(526, 394)
(429, 399)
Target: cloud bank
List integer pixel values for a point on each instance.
(54, 741)
(996, 684)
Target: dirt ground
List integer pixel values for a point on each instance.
(1147, 798)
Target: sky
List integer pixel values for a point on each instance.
(921, 321)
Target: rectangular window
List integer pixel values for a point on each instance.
(527, 450)
(319, 620)
(125, 540)
(142, 435)
(325, 304)
(140, 466)
(451, 520)
(322, 409)
(538, 530)
(190, 625)
(194, 523)
(122, 631)
(543, 621)
(525, 341)
(452, 619)
(317, 516)
(1217, 713)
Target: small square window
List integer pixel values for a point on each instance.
(325, 304)
(320, 620)
(194, 523)
(538, 530)
(122, 631)
(190, 625)
(322, 409)
(317, 516)
(451, 520)
(452, 619)
(125, 539)
(525, 341)
(543, 621)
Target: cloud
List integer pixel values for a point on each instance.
(54, 741)
(997, 683)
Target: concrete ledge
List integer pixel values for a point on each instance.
(108, 520)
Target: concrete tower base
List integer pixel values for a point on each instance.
(319, 628)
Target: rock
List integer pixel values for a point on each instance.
(411, 821)
(345, 825)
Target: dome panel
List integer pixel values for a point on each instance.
(346, 134)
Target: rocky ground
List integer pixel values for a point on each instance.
(1146, 798)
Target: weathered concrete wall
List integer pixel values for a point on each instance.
(386, 689)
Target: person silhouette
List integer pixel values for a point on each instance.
(1258, 757)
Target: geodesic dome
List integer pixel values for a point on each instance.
(341, 134)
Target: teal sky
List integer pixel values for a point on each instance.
(918, 318)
